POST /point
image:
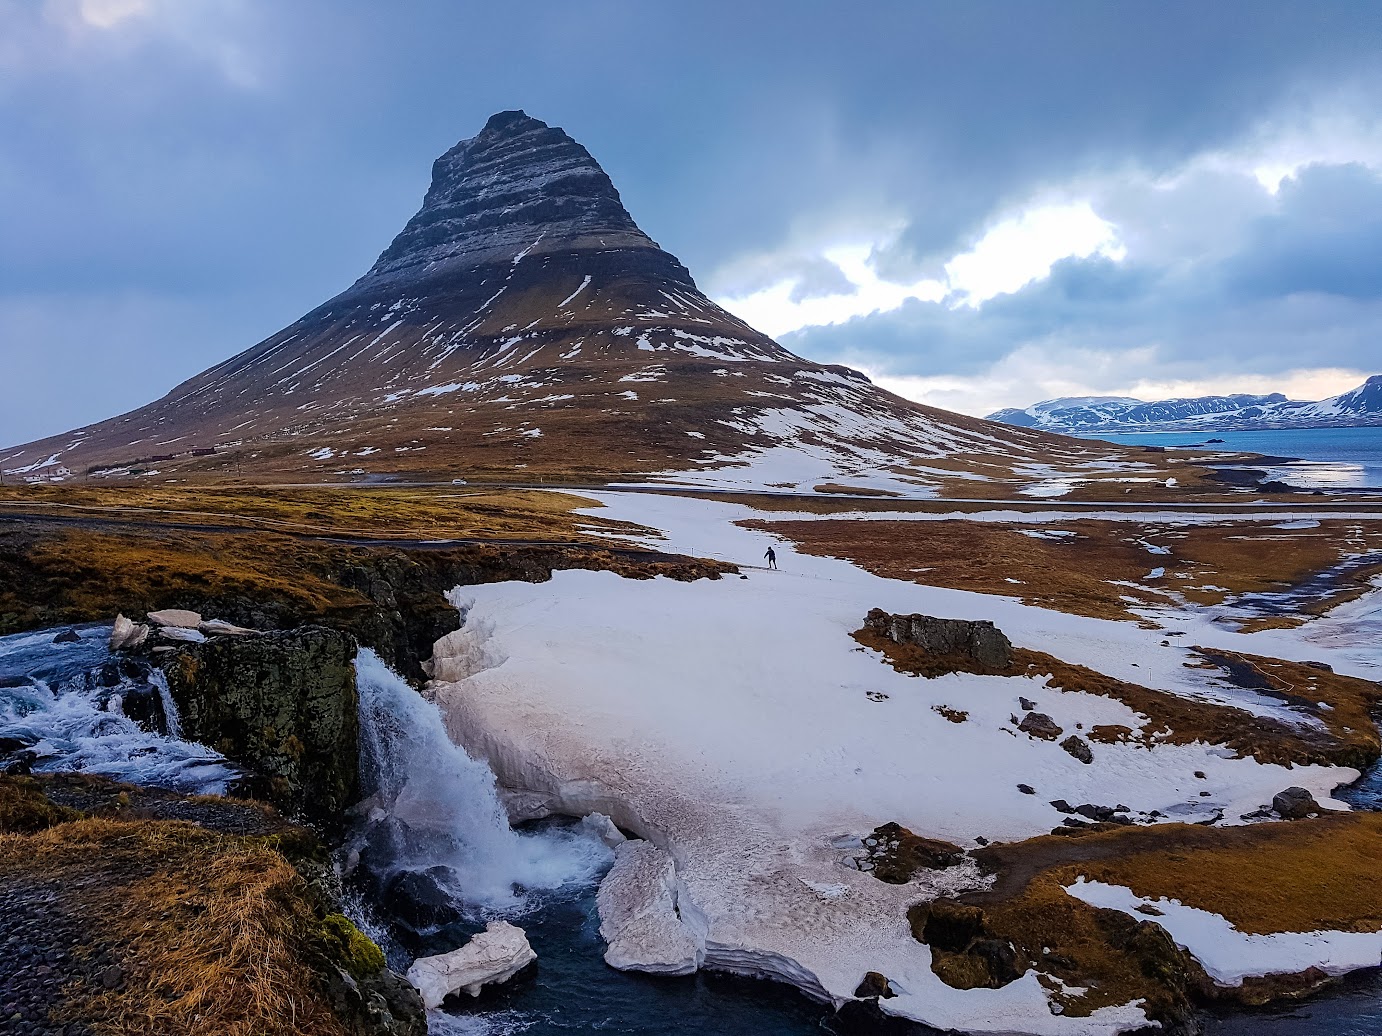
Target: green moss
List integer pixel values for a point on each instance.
(355, 950)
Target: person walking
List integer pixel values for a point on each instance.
(772, 558)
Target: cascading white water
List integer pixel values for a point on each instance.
(55, 699)
(441, 808)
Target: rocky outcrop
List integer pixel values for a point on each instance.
(283, 705)
(493, 957)
(979, 642)
(896, 855)
(964, 952)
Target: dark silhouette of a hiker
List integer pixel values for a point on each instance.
(772, 558)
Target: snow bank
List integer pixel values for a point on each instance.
(736, 727)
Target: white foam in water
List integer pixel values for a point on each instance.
(449, 805)
(77, 726)
(491, 1023)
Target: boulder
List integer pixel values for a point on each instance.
(1038, 724)
(1079, 748)
(126, 634)
(420, 900)
(67, 637)
(875, 984)
(179, 617)
(494, 956)
(284, 705)
(1294, 803)
(979, 641)
(144, 704)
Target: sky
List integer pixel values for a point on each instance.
(980, 205)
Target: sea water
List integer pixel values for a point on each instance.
(1331, 458)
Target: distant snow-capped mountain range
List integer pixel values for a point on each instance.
(1359, 406)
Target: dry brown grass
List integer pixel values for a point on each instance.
(213, 932)
(427, 513)
(25, 810)
(1304, 876)
(1301, 876)
(1349, 737)
(1099, 568)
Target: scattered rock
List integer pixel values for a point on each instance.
(126, 634)
(1294, 803)
(1079, 748)
(1322, 666)
(875, 984)
(1026, 789)
(494, 956)
(177, 617)
(979, 641)
(1027, 704)
(181, 635)
(1062, 806)
(1038, 724)
(67, 637)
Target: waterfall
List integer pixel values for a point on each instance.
(434, 809)
(71, 704)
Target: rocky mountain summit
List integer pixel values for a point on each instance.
(1359, 406)
(521, 320)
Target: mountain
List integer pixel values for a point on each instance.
(522, 325)
(1360, 406)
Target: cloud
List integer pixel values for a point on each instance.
(928, 188)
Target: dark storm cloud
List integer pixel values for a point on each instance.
(1326, 237)
(205, 172)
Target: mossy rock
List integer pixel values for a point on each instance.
(285, 706)
(355, 951)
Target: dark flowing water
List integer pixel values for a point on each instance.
(572, 990)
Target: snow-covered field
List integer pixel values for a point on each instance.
(736, 726)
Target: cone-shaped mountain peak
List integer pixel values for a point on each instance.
(518, 186)
(521, 324)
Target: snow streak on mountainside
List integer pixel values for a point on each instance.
(521, 320)
(1359, 406)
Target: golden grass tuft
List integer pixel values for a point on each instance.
(24, 809)
(213, 933)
